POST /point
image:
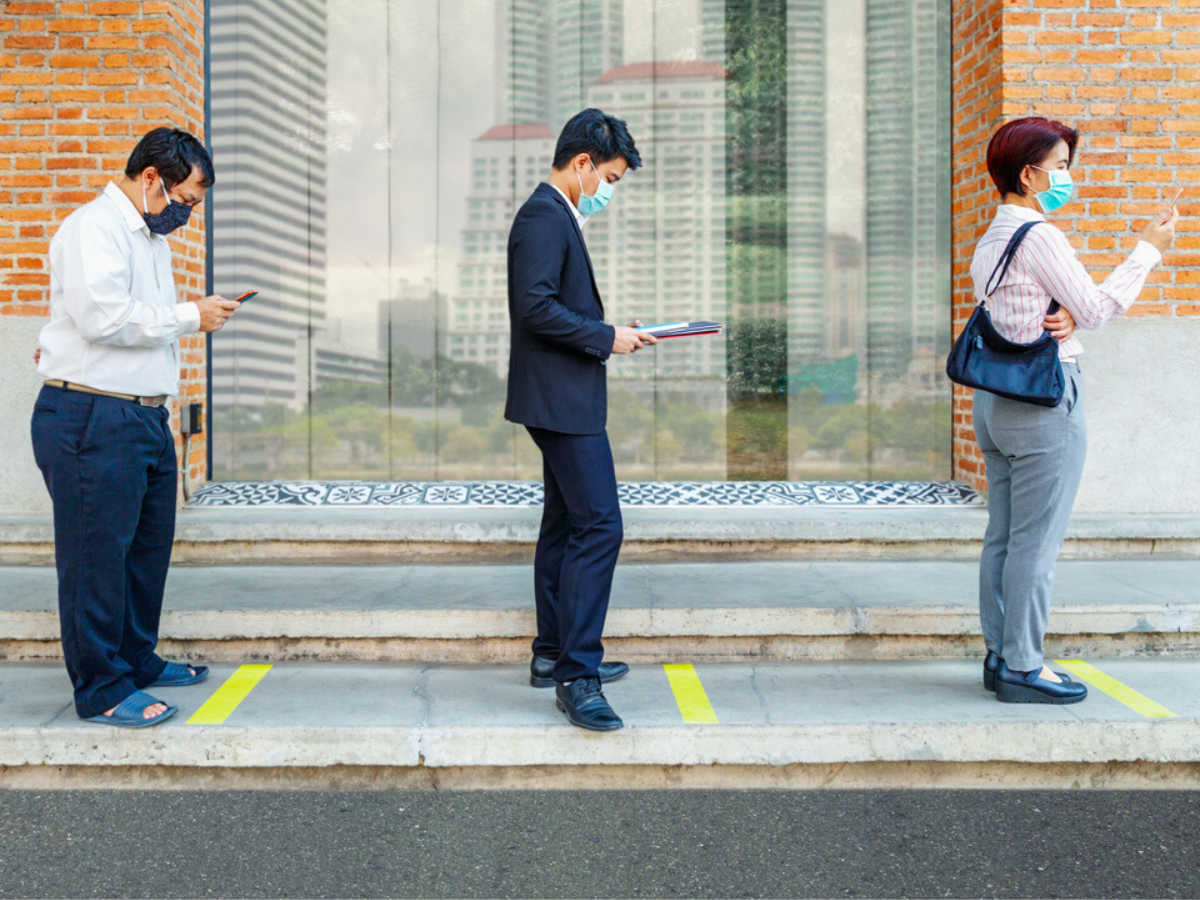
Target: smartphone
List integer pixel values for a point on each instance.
(246, 296)
(1178, 194)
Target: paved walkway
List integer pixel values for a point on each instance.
(321, 715)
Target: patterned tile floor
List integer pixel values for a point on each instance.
(633, 493)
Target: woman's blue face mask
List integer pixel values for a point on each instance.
(1060, 192)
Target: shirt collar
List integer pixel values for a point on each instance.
(128, 211)
(579, 217)
(1024, 213)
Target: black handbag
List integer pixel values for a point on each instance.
(982, 358)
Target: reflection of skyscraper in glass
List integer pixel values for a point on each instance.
(548, 52)
(809, 317)
(712, 30)
(659, 248)
(907, 184)
(589, 39)
(507, 163)
(267, 126)
(523, 58)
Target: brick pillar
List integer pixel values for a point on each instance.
(1126, 78)
(79, 84)
(977, 108)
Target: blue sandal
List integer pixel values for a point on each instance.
(179, 675)
(128, 713)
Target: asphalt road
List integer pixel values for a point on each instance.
(604, 844)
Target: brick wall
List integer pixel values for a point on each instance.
(1126, 74)
(79, 84)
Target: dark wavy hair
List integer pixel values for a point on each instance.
(1021, 143)
(600, 136)
(174, 153)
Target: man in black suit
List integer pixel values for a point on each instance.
(556, 389)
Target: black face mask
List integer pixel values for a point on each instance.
(176, 214)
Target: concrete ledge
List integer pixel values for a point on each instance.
(219, 625)
(387, 536)
(808, 777)
(1175, 741)
(706, 611)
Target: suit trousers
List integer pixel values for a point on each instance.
(110, 467)
(577, 550)
(1034, 457)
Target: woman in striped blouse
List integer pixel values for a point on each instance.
(1034, 454)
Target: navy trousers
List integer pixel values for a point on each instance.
(576, 550)
(110, 468)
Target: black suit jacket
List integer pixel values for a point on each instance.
(559, 339)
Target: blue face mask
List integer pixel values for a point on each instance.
(1061, 190)
(597, 201)
(176, 214)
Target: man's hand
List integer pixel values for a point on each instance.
(1061, 325)
(214, 311)
(628, 339)
(37, 356)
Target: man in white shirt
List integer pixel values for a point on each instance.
(101, 433)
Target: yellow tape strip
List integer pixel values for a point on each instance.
(225, 700)
(689, 694)
(1139, 703)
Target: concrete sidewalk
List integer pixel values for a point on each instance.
(926, 723)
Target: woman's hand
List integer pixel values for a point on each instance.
(1061, 325)
(1161, 231)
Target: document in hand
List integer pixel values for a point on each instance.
(682, 329)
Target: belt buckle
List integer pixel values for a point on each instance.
(153, 402)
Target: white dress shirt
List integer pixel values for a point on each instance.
(579, 217)
(1044, 268)
(114, 323)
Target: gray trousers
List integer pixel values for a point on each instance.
(1034, 456)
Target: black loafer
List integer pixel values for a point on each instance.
(1030, 687)
(585, 706)
(542, 666)
(992, 661)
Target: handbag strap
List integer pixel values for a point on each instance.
(1005, 261)
(1006, 258)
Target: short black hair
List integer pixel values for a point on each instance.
(600, 136)
(174, 153)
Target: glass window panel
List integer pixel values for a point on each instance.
(796, 187)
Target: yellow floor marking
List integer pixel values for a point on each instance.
(1139, 703)
(225, 700)
(689, 694)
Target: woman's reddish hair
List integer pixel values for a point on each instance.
(1021, 143)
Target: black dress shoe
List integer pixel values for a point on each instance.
(1030, 687)
(585, 706)
(991, 663)
(542, 666)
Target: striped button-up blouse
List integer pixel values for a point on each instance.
(1045, 268)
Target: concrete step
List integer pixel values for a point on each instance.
(428, 534)
(781, 725)
(870, 609)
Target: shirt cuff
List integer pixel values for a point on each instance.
(1146, 254)
(189, 317)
